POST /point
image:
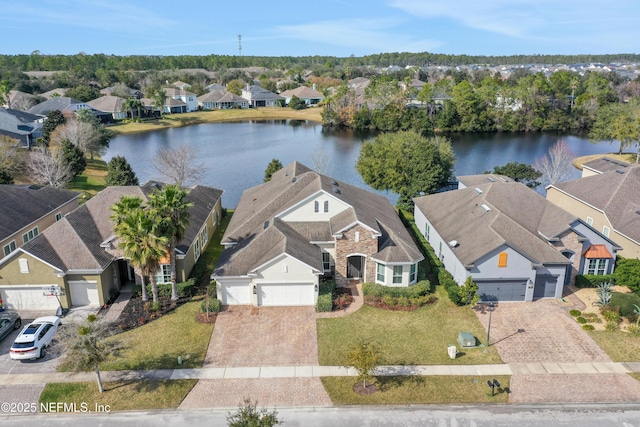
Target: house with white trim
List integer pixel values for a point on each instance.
(287, 233)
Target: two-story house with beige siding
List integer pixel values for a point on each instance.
(28, 210)
(78, 254)
(608, 200)
(301, 225)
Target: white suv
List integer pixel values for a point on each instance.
(33, 339)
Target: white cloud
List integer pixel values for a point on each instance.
(372, 35)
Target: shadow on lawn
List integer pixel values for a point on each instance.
(386, 383)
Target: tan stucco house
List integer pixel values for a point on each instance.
(608, 200)
(287, 233)
(78, 254)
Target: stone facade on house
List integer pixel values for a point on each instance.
(570, 241)
(356, 240)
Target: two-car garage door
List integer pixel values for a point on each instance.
(502, 290)
(286, 294)
(28, 297)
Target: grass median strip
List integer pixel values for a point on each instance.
(419, 390)
(118, 396)
(620, 346)
(417, 337)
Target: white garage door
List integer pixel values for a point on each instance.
(84, 293)
(233, 294)
(286, 294)
(28, 298)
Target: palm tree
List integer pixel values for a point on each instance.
(130, 104)
(170, 207)
(140, 241)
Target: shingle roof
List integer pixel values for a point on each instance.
(107, 103)
(23, 204)
(503, 213)
(606, 164)
(485, 178)
(615, 193)
(73, 243)
(220, 96)
(172, 91)
(302, 92)
(59, 103)
(290, 186)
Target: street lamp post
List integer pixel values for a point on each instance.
(489, 328)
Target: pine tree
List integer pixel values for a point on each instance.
(119, 172)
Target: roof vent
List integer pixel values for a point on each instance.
(335, 183)
(619, 171)
(453, 243)
(293, 179)
(485, 207)
(502, 179)
(477, 190)
(491, 179)
(336, 190)
(266, 224)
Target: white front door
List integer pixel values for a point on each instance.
(286, 294)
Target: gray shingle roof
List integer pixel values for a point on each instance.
(59, 103)
(23, 204)
(303, 92)
(292, 185)
(606, 164)
(517, 216)
(615, 193)
(107, 103)
(485, 178)
(73, 243)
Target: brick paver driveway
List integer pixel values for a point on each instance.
(543, 331)
(264, 336)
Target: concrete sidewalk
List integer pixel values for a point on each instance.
(327, 371)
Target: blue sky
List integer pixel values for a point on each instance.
(312, 27)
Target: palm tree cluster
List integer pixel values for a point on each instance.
(148, 233)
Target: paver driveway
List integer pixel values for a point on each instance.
(543, 331)
(263, 336)
(540, 331)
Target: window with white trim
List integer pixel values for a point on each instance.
(9, 247)
(204, 236)
(30, 234)
(24, 265)
(606, 231)
(597, 266)
(316, 206)
(196, 249)
(590, 221)
(413, 273)
(380, 273)
(326, 261)
(163, 275)
(427, 231)
(397, 274)
(326, 206)
(58, 216)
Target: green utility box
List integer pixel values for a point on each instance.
(466, 339)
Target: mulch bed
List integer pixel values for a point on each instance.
(203, 318)
(365, 391)
(137, 312)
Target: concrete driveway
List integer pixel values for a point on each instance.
(263, 336)
(543, 331)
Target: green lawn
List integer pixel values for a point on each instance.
(120, 396)
(91, 181)
(417, 337)
(620, 346)
(418, 390)
(625, 301)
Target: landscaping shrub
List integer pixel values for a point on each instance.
(593, 280)
(376, 290)
(325, 296)
(627, 273)
(612, 316)
(611, 326)
(633, 329)
(581, 320)
(185, 289)
(575, 313)
(342, 301)
(389, 300)
(212, 304)
(626, 302)
(588, 327)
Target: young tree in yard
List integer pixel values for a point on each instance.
(556, 166)
(235, 87)
(406, 163)
(297, 103)
(469, 292)
(179, 166)
(248, 415)
(47, 168)
(364, 358)
(172, 210)
(87, 346)
(159, 97)
(519, 172)
(119, 172)
(274, 166)
(139, 240)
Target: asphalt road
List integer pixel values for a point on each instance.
(440, 416)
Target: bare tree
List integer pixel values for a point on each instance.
(48, 168)
(179, 166)
(556, 166)
(320, 160)
(77, 132)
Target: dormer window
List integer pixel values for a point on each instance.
(326, 206)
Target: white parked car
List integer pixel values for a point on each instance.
(34, 338)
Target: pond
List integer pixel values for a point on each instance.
(235, 155)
